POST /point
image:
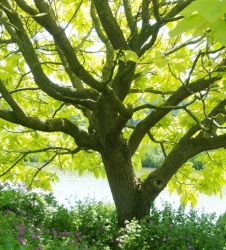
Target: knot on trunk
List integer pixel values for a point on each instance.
(158, 183)
(154, 183)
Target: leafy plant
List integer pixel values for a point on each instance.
(93, 225)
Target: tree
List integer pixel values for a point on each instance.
(93, 85)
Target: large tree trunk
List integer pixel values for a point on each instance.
(128, 197)
(127, 193)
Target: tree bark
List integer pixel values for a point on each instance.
(125, 187)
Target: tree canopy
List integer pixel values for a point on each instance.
(95, 85)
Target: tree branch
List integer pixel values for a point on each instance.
(141, 37)
(152, 30)
(48, 162)
(181, 5)
(40, 169)
(6, 41)
(54, 149)
(22, 89)
(184, 45)
(130, 18)
(12, 103)
(110, 25)
(208, 122)
(150, 90)
(185, 149)
(180, 154)
(145, 14)
(82, 138)
(48, 22)
(109, 64)
(75, 13)
(178, 96)
(12, 166)
(97, 24)
(156, 14)
(65, 94)
(162, 107)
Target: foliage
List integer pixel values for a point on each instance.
(152, 159)
(173, 229)
(19, 201)
(199, 20)
(93, 226)
(90, 85)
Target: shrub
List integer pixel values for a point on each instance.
(152, 159)
(23, 203)
(96, 221)
(173, 229)
(8, 238)
(35, 221)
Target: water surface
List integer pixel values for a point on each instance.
(74, 187)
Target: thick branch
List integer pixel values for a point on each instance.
(123, 79)
(139, 40)
(108, 68)
(12, 103)
(122, 109)
(110, 24)
(65, 94)
(82, 138)
(97, 24)
(208, 122)
(130, 18)
(152, 30)
(180, 154)
(185, 149)
(76, 82)
(178, 96)
(145, 13)
(61, 40)
(156, 14)
(48, 22)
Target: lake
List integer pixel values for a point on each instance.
(74, 187)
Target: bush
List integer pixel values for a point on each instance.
(198, 165)
(221, 226)
(31, 221)
(149, 162)
(173, 229)
(23, 203)
(96, 221)
(152, 159)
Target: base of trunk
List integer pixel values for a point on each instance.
(129, 200)
(139, 209)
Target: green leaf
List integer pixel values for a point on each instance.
(219, 31)
(211, 10)
(192, 24)
(131, 56)
(140, 81)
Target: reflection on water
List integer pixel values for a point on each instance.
(74, 187)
